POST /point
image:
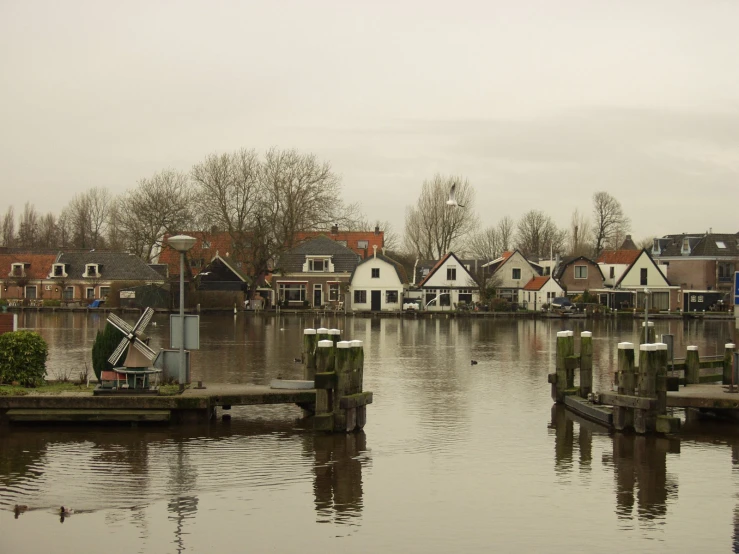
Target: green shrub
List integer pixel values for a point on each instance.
(23, 358)
(500, 305)
(52, 303)
(106, 341)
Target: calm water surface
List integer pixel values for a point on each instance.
(454, 458)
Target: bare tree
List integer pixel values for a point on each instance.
(99, 201)
(646, 243)
(47, 231)
(28, 227)
(609, 222)
(578, 240)
(506, 233)
(264, 204)
(159, 205)
(7, 228)
(485, 244)
(433, 228)
(537, 235)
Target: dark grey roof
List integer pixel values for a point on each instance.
(344, 259)
(628, 244)
(701, 244)
(399, 269)
(162, 269)
(115, 266)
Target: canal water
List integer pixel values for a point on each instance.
(455, 457)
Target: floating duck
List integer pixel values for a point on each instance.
(20, 508)
(65, 511)
(297, 360)
(473, 362)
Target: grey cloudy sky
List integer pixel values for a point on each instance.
(538, 103)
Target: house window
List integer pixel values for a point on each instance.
(59, 270)
(362, 244)
(612, 273)
(425, 271)
(317, 265)
(451, 273)
(445, 298)
(375, 272)
(333, 292)
(720, 244)
(643, 276)
(465, 296)
(360, 296)
(391, 297)
(69, 293)
(17, 270)
(292, 292)
(551, 296)
(31, 292)
(581, 272)
(90, 293)
(516, 273)
(104, 291)
(686, 246)
(91, 270)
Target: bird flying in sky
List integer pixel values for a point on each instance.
(452, 201)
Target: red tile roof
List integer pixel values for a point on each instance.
(433, 269)
(219, 242)
(37, 266)
(625, 257)
(506, 255)
(536, 283)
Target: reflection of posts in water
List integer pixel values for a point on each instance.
(640, 464)
(564, 438)
(182, 508)
(338, 475)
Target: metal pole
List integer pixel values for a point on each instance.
(183, 372)
(646, 316)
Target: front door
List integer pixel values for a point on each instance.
(376, 301)
(317, 297)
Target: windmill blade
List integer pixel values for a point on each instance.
(119, 324)
(118, 352)
(143, 321)
(144, 349)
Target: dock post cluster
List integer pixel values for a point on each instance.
(337, 368)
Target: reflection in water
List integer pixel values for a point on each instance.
(338, 477)
(643, 486)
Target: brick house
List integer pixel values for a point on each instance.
(362, 243)
(24, 275)
(577, 274)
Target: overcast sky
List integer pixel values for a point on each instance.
(538, 104)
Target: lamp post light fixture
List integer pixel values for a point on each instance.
(182, 243)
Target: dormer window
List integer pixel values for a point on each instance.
(58, 270)
(655, 247)
(16, 270)
(686, 246)
(91, 270)
(318, 264)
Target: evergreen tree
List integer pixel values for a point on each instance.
(106, 342)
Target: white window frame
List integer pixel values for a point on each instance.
(363, 244)
(300, 287)
(35, 291)
(104, 292)
(87, 293)
(451, 270)
(584, 269)
(17, 270)
(360, 292)
(334, 292)
(64, 293)
(96, 270)
(62, 272)
(513, 273)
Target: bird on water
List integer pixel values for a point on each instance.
(473, 362)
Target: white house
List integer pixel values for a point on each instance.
(510, 273)
(377, 284)
(645, 273)
(539, 291)
(448, 284)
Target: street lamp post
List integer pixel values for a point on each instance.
(646, 315)
(182, 243)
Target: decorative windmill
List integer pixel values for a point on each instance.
(139, 354)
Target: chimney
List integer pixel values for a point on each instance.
(335, 229)
(377, 229)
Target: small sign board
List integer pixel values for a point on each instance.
(736, 288)
(192, 332)
(128, 294)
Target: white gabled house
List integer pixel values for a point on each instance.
(378, 284)
(511, 272)
(645, 273)
(539, 291)
(448, 284)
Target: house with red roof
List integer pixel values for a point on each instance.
(448, 284)
(510, 272)
(539, 291)
(24, 274)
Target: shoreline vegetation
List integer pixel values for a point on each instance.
(68, 388)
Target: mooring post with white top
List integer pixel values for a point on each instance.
(647, 336)
(323, 334)
(661, 377)
(325, 379)
(645, 417)
(559, 379)
(334, 335)
(310, 339)
(692, 366)
(586, 363)
(622, 416)
(728, 360)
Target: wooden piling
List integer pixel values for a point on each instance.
(565, 348)
(322, 333)
(692, 366)
(334, 335)
(623, 417)
(586, 363)
(309, 354)
(728, 360)
(650, 337)
(661, 378)
(645, 419)
(324, 378)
